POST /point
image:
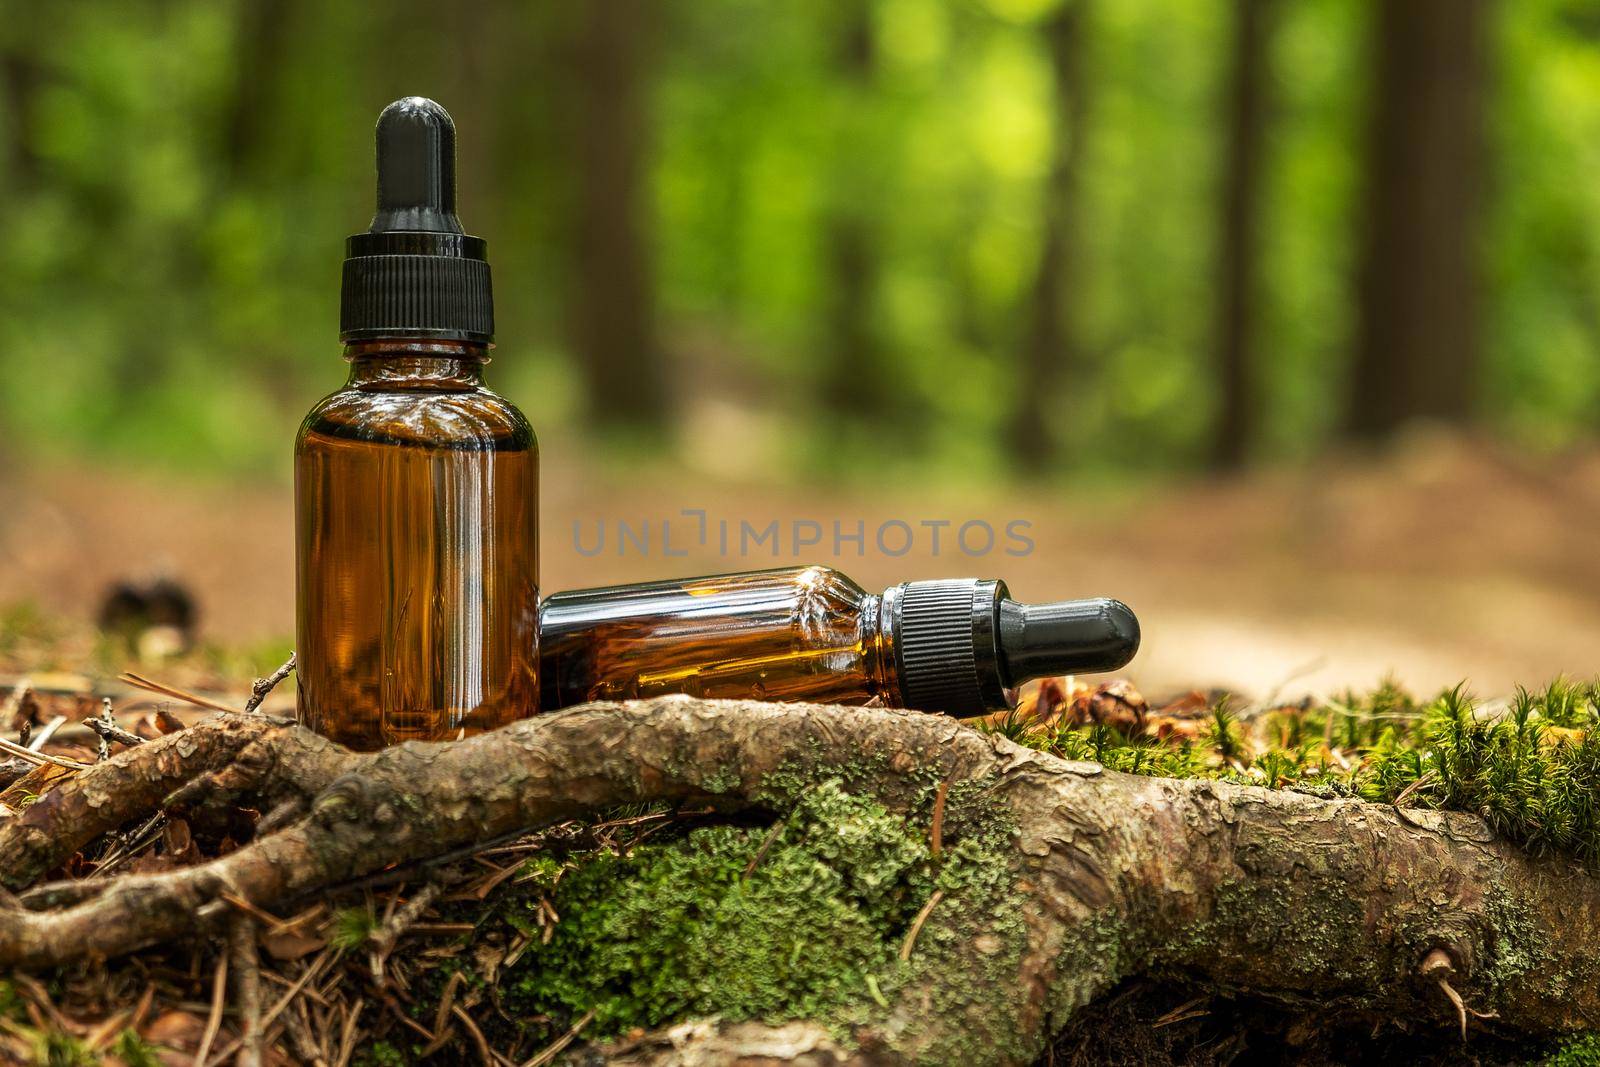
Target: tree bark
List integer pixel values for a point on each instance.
(613, 284)
(1356, 908)
(1049, 349)
(1238, 392)
(1417, 351)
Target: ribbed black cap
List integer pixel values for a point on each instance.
(415, 273)
(945, 645)
(961, 644)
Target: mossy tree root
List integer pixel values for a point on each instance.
(1356, 908)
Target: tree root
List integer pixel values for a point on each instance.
(1355, 907)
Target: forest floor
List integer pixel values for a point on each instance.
(1446, 561)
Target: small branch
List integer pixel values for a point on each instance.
(261, 687)
(246, 987)
(14, 749)
(384, 938)
(106, 721)
(110, 731)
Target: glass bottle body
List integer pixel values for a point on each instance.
(416, 492)
(794, 634)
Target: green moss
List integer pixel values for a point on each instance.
(672, 930)
(1580, 1051)
(1531, 769)
(55, 1049)
(134, 1051)
(381, 1054)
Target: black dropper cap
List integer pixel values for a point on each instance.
(415, 273)
(961, 644)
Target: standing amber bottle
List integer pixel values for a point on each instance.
(416, 487)
(811, 634)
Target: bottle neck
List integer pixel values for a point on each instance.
(881, 662)
(411, 364)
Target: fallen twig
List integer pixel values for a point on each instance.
(555, 1049)
(110, 731)
(261, 687)
(247, 987)
(107, 719)
(383, 939)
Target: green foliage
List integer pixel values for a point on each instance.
(180, 180)
(1223, 733)
(1530, 769)
(665, 931)
(353, 927)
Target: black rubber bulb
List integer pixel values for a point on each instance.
(1087, 636)
(416, 169)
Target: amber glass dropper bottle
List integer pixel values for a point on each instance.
(811, 634)
(415, 486)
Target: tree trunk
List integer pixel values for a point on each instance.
(855, 381)
(262, 39)
(1417, 351)
(21, 78)
(613, 287)
(1359, 909)
(1238, 392)
(1049, 350)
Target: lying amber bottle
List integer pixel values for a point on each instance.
(416, 486)
(959, 646)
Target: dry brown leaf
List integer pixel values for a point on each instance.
(1191, 705)
(175, 1029)
(1116, 704)
(288, 944)
(36, 783)
(179, 842)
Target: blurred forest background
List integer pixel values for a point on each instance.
(1063, 259)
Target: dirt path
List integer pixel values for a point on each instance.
(1447, 563)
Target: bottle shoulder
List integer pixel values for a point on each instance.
(475, 419)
